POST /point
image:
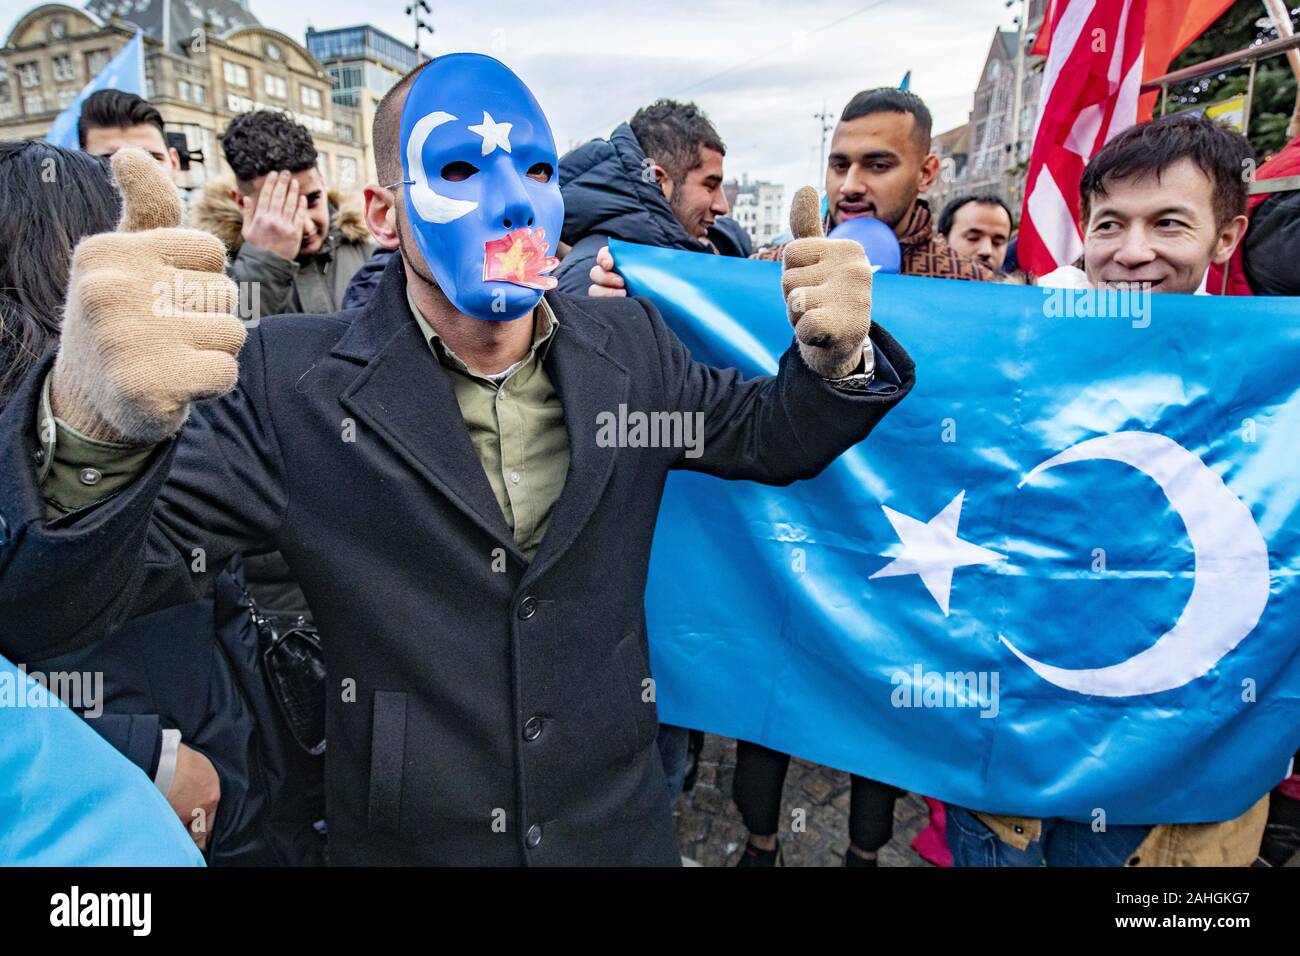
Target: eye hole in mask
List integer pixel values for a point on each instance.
(542, 172)
(458, 172)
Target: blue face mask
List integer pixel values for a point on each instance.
(482, 186)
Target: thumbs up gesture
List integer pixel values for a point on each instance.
(827, 286)
(149, 321)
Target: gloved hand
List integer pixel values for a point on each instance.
(149, 321)
(827, 285)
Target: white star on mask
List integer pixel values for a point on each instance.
(494, 134)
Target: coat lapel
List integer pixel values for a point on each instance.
(589, 381)
(406, 400)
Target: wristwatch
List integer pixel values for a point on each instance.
(861, 380)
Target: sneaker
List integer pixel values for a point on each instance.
(753, 856)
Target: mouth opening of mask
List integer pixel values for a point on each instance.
(520, 257)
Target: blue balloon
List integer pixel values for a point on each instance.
(876, 238)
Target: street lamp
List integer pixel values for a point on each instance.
(413, 10)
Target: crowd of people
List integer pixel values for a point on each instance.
(216, 685)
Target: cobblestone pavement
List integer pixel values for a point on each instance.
(710, 831)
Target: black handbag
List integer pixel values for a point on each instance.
(294, 663)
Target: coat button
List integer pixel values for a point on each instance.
(527, 608)
(532, 728)
(90, 476)
(534, 836)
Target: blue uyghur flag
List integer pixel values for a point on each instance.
(1060, 577)
(67, 798)
(124, 72)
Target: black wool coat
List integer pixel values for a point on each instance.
(482, 709)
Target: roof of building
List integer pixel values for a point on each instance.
(173, 22)
(955, 141)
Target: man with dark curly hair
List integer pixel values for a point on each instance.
(294, 247)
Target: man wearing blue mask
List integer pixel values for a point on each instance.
(437, 469)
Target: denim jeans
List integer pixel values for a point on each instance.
(1063, 843)
(673, 743)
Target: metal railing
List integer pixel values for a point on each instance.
(1248, 57)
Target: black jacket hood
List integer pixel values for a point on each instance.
(608, 191)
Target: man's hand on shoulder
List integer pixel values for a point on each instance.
(604, 280)
(827, 286)
(149, 322)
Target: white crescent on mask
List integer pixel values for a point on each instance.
(428, 204)
(1231, 578)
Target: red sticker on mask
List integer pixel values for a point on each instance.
(520, 257)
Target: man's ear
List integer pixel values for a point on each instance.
(174, 158)
(1230, 237)
(661, 178)
(381, 215)
(929, 172)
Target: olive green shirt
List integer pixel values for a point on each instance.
(515, 422)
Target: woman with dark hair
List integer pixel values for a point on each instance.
(183, 696)
(52, 198)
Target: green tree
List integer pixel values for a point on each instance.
(1242, 25)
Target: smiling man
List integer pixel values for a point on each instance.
(1162, 202)
(656, 181)
(294, 244)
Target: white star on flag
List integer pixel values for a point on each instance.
(932, 549)
(494, 134)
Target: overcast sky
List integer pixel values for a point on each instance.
(759, 69)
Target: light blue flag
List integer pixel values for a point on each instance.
(67, 798)
(1060, 576)
(124, 72)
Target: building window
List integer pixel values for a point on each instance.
(57, 28)
(66, 96)
(198, 93)
(273, 52)
(96, 60)
(311, 97)
(29, 74)
(347, 172)
(236, 74)
(183, 88)
(63, 70)
(276, 86)
(33, 103)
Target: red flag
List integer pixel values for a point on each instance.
(1098, 54)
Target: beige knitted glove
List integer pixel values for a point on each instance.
(827, 285)
(149, 321)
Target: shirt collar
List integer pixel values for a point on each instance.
(545, 323)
